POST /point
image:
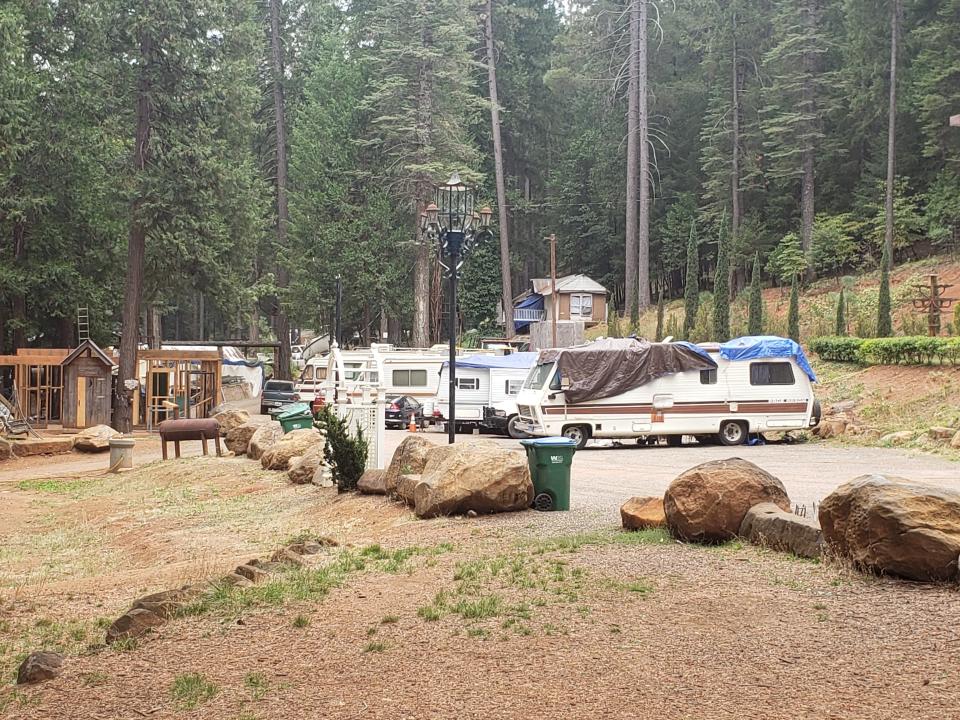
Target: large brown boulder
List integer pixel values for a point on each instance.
(294, 444)
(480, 476)
(238, 438)
(303, 468)
(94, 439)
(770, 526)
(263, 438)
(895, 526)
(373, 482)
(39, 666)
(6, 450)
(229, 418)
(639, 513)
(133, 624)
(707, 503)
(408, 459)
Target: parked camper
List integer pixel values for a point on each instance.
(486, 388)
(626, 388)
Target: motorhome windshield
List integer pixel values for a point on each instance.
(538, 376)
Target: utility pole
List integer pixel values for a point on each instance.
(553, 284)
(337, 312)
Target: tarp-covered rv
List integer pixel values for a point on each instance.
(628, 388)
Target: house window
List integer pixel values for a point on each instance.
(468, 383)
(771, 373)
(581, 306)
(708, 377)
(513, 386)
(410, 378)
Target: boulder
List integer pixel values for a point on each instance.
(707, 503)
(263, 438)
(323, 477)
(165, 604)
(771, 526)
(897, 438)
(891, 525)
(304, 468)
(831, 427)
(6, 450)
(406, 486)
(253, 573)
(408, 459)
(51, 445)
(39, 666)
(133, 624)
(373, 482)
(955, 443)
(941, 433)
(229, 418)
(296, 443)
(238, 437)
(94, 439)
(479, 476)
(639, 513)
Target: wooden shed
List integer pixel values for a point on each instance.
(38, 383)
(190, 379)
(87, 384)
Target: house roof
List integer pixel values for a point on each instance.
(568, 284)
(94, 350)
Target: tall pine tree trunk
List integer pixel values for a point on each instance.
(643, 232)
(505, 279)
(281, 325)
(809, 102)
(892, 129)
(633, 176)
(735, 192)
(421, 268)
(18, 305)
(136, 245)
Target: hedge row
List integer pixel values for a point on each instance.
(918, 350)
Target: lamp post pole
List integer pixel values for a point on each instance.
(454, 242)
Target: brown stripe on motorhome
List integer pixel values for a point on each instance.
(753, 406)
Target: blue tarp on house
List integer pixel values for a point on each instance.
(514, 361)
(758, 347)
(534, 301)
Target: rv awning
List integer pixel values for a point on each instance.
(766, 346)
(514, 361)
(609, 367)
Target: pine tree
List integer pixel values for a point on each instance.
(691, 292)
(755, 324)
(660, 311)
(721, 290)
(841, 315)
(793, 314)
(884, 319)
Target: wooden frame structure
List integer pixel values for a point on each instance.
(38, 383)
(87, 387)
(190, 379)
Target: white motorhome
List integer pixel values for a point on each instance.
(631, 389)
(487, 386)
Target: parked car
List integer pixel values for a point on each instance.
(400, 409)
(276, 394)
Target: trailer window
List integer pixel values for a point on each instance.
(410, 378)
(307, 373)
(708, 377)
(771, 373)
(512, 387)
(468, 383)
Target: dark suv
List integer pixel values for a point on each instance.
(276, 394)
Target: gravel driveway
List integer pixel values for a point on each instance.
(603, 477)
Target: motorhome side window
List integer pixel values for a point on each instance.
(512, 387)
(307, 373)
(771, 373)
(410, 378)
(708, 377)
(581, 306)
(556, 383)
(468, 383)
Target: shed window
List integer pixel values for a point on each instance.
(708, 377)
(771, 373)
(410, 378)
(581, 306)
(468, 383)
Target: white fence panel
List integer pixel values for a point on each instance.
(368, 418)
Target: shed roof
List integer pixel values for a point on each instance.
(95, 351)
(568, 284)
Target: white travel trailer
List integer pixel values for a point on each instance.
(487, 386)
(627, 388)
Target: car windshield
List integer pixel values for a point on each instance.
(538, 376)
(281, 385)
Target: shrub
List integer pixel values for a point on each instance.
(691, 290)
(915, 350)
(793, 313)
(884, 318)
(346, 455)
(755, 323)
(721, 291)
(841, 316)
(837, 349)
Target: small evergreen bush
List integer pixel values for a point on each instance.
(346, 455)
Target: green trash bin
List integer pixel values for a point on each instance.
(550, 460)
(295, 417)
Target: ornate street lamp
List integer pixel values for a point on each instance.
(453, 221)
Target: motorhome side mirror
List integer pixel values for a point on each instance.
(564, 384)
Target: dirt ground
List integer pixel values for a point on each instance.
(532, 615)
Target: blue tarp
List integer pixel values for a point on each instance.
(696, 348)
(534, 301)
(515, 361)
(766, 346)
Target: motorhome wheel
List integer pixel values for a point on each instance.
(512, 429)
(578, 433)
(733, 433)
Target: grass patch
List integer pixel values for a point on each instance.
(572, 543)
(375, 647)
(389, 619)
(301, 621)
(192, 689)
(485, 607)
(53, 486)
(257, 684)
(641, 587)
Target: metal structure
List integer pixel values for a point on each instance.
(933, 303)
(452, 221)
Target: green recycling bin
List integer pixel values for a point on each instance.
(295, 417)
(550, 460)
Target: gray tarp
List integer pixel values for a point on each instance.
(605, 368)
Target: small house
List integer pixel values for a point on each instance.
(87, 384)
(578, 298)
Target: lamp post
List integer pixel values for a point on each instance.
(451, 219)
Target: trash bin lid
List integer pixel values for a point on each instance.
(549, 442)
(293, 411)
